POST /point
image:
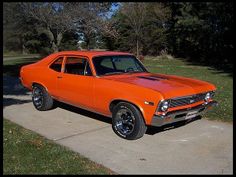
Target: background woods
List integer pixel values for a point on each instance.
(201, 32)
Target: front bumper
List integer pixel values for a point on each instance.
(180, 115)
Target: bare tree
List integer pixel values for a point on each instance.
(94, 21)
(55, 19)
(135, 14)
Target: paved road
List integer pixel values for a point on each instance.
(199, 147)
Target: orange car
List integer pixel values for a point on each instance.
(117, 85)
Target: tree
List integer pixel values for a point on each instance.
(93, 22)
(201, 34)
(155, 29)
(135, 14)
(15, 27)
(52, 19)
(141, 30)
(55, 19)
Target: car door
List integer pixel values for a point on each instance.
(51, 77)
(76, 82)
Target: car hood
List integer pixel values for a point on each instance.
(169, 86)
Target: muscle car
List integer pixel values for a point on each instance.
(117, 85)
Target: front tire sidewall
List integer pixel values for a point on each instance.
(139, 124)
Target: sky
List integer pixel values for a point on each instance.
(114, 7)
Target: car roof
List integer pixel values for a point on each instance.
(92, 54)
(89, 54)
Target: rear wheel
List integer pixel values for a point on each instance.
(127, 121)
(41, 99)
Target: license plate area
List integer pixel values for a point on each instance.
(191, 114)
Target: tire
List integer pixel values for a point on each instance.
(41, 99)
(127, 121)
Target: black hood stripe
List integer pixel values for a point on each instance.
(153, 78)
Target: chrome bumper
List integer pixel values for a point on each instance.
(181, 115)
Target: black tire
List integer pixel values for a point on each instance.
(133, 126)
(46, 102)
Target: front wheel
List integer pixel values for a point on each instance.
(127, 121)
(41, 99)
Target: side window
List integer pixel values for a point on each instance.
(77, 66)
(56, 65)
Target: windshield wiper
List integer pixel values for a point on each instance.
(112, 73)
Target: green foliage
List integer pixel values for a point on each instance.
(69, 41)
(203, 31)
(150, 31)
(12, 31)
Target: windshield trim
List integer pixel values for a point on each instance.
(103, 75)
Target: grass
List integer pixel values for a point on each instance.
(17, 54)
(223, 82)
(25, 152)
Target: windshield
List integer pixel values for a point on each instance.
(107, 65)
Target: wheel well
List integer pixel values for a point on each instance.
(36, 83)
(115, 102)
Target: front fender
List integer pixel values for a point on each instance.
(147, 110)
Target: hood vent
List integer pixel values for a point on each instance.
(153, 78)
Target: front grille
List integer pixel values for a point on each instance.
(187, 100)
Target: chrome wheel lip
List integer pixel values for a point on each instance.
(124, 121)
(37, 97)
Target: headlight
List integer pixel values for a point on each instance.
(207, 96)
(164, 106)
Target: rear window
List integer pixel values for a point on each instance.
(56, 65)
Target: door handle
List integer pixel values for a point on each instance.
(59, 77)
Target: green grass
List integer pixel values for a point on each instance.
(223, 82)
(17, 54)
(25, 152)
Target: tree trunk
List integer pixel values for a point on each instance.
(54, 40)
(59, 39)
(54, 47)
(23, 49)
(22, 45)
(88, 44)
(137, 47)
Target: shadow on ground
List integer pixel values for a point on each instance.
(14, 69)
(153, 130)
(83, 112)
(150, 129)
(12, 101)
(12, 88)
(215, 68)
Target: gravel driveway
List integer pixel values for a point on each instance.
(199, 147)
